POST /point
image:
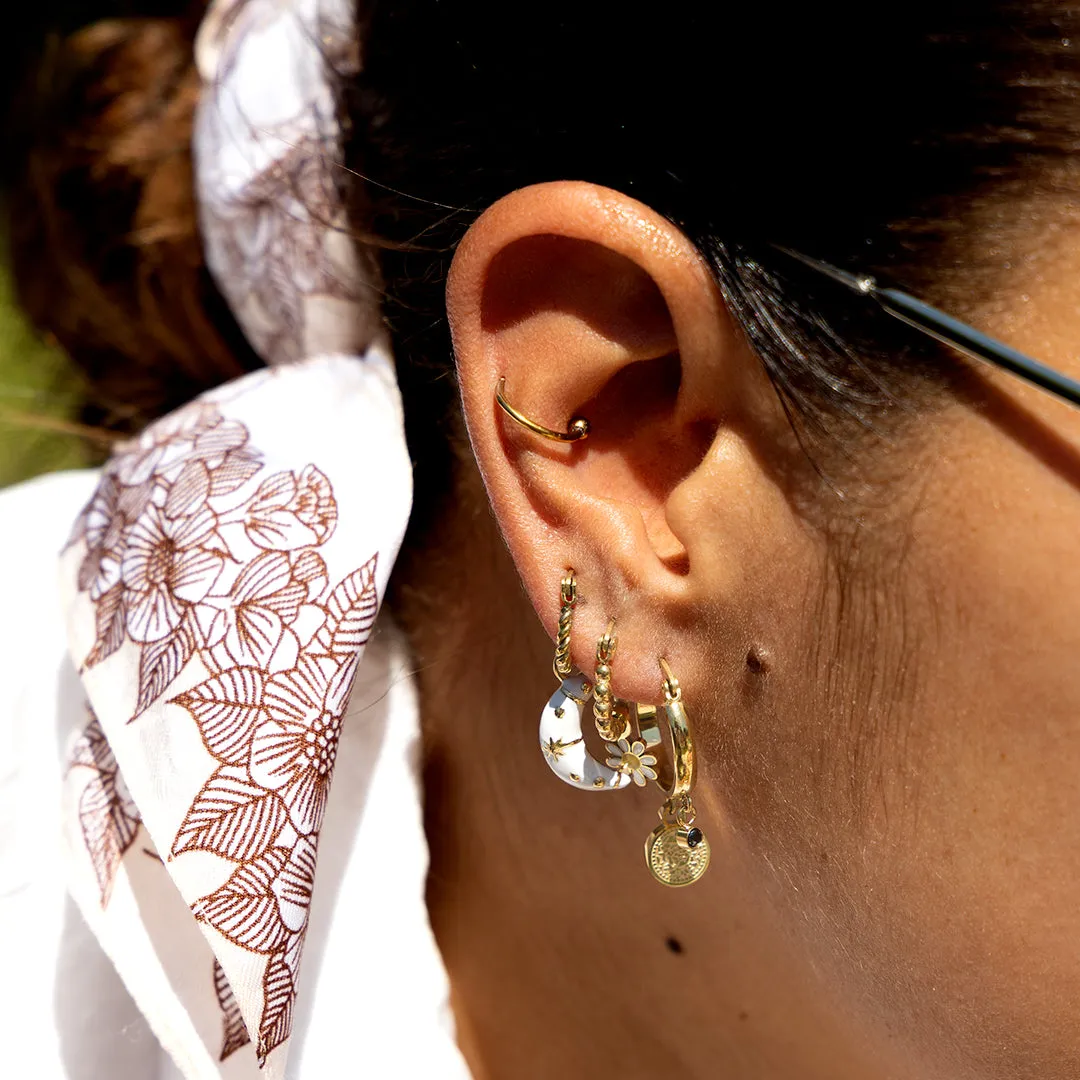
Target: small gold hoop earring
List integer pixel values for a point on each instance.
(568, 600)
(677, 851)
(577, 429)
(612, 717)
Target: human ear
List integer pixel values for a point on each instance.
(590, 304)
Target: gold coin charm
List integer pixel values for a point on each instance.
(677, 855)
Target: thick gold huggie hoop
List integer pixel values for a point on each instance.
(676, 851)
(577, 430)
(612, 717)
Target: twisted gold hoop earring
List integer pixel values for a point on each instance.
(560, 723)
(577, 429)
(612, 717)
(677, 851)
(568, 598)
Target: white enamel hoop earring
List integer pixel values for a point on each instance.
(560, 723)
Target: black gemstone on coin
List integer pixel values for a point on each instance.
(693, 838)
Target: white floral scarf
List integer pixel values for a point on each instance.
(222, 586)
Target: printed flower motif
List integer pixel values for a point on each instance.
(167, 567)
(253, 619)
(168, 564)
(293, 751)
(169, 441)
(197, 434)
(632, 759)
(103, 532)
(265, 901)
(290, 511)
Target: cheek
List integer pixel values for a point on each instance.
(916, 779)
(985, 867)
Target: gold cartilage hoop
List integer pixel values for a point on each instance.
(578, 427)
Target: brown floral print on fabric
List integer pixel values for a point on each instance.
(193, 554)
(109, 818)
(234, 1033)
(278, 241)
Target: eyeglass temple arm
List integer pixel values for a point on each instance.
(949, 331)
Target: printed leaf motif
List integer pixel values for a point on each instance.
(91, 748)
(108, 829)
(351, 609)
(245, 909)
(161, 662)
(108, 817)
(109, 623)
(234, 1030)
(233, 817)
(226, 708)
(278, 996)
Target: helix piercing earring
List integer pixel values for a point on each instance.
(560, 722)
(676, 851)
(577, 429)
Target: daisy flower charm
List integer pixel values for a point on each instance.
(631, 759)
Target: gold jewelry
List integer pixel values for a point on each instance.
(676, 851)
(568, 598)
(612, 717)
(560, 723)
(577, 429)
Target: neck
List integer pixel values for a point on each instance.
(565, 957)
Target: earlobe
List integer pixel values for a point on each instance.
(590, 305)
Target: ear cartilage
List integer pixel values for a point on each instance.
(577, 429)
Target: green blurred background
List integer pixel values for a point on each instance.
(40, 392)
(40, 397)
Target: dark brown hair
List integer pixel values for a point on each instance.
(889, 141)
(103, 227)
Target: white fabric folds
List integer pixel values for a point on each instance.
(221, 587)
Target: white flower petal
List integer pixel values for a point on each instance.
(194, 574)
(277, 755)
(152, 615)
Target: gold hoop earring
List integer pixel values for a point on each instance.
(577, 429)
(561, 740)
(568, 600)
(611, 716)
(677, 851)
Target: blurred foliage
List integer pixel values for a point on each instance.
(40, 397)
